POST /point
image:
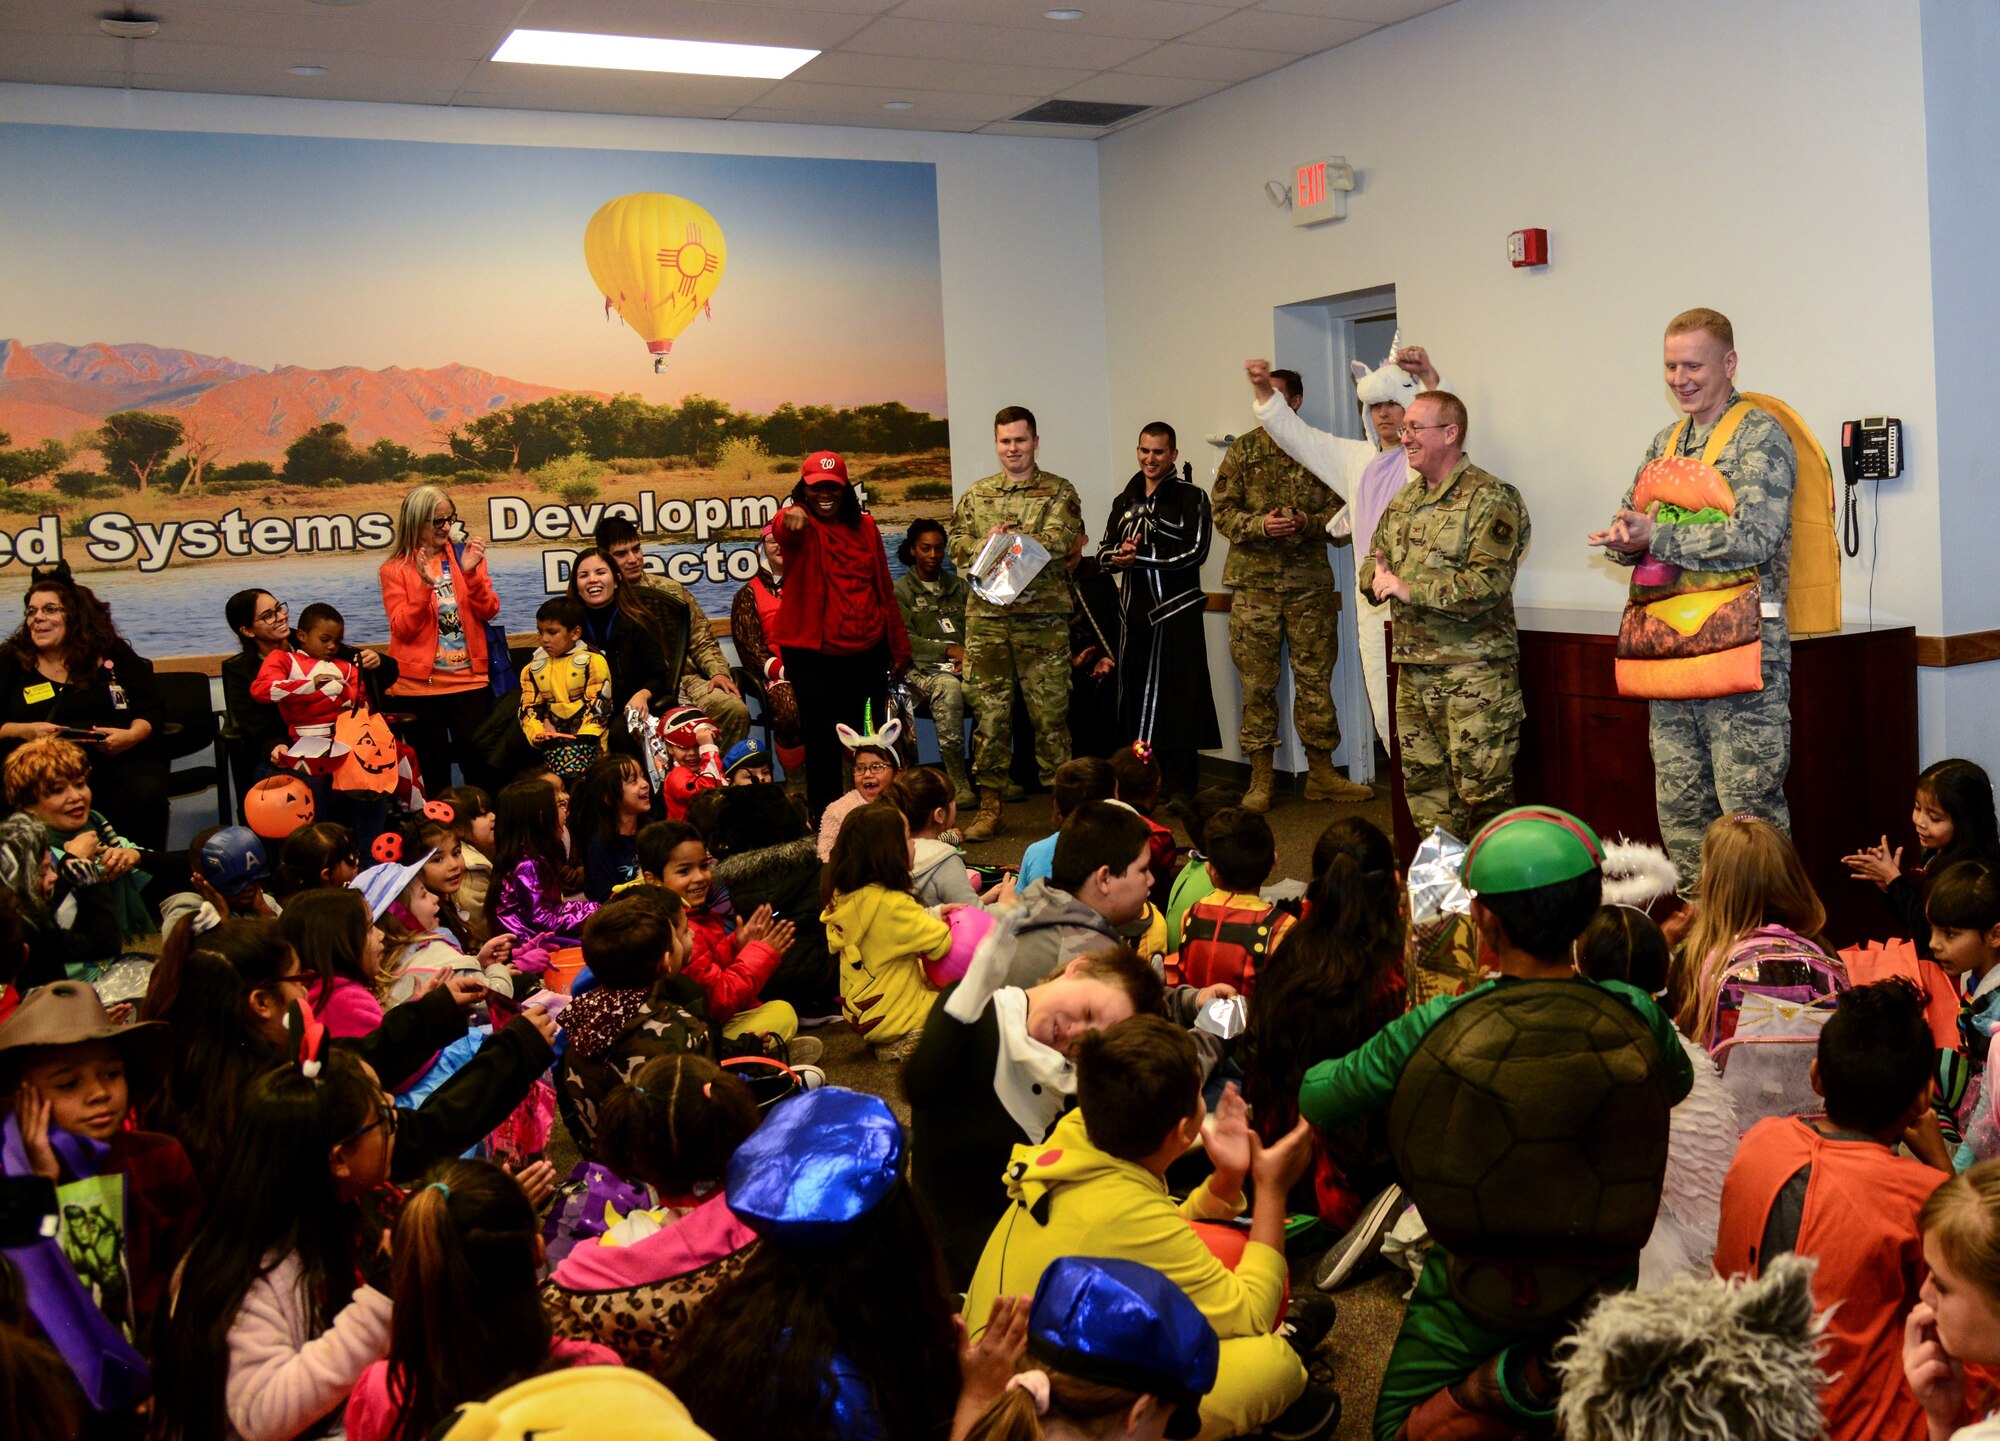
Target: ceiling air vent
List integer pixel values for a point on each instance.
(1079, 112)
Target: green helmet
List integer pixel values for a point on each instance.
(1529, 847)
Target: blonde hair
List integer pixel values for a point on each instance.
(1086, 1405)
(1702, 318)
(1963, 1217)
(413, 521)
(1751, 876)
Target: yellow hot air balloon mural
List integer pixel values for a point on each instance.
(657, 259)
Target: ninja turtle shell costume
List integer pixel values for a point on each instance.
(1528, 1119)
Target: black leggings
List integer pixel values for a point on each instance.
(442, 733)
(834, 689)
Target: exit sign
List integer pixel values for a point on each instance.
(1319, 190)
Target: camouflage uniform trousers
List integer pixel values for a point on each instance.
(944, 695)
(1726, 756)
(1458, 727)
(999, 649)
(1260, 622)
(731, 716)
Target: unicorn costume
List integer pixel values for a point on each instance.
(883, 743)
(1369, 476)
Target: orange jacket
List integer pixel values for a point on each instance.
(411, 606)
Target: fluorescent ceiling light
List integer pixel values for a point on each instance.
(643, 52)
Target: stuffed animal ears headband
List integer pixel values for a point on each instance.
(1636, 874)
(868, 738)
(1388, 382)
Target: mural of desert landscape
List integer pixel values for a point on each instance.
(304, 329)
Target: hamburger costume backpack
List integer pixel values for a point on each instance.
(1529, 1122)
(1695, 634)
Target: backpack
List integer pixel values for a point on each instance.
(1530, 1128)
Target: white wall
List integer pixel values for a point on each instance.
(1763, 158)
(1024, 321)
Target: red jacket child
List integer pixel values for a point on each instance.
(732, 978)
(310, 694)
(686, 729)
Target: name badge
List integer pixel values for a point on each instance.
(39, 692)
(945, 625)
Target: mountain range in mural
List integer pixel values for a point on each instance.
(52, 390)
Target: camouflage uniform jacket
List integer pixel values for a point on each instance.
(704, 659)
(1458, 547)
(1761, 468)
(1254, 479)
(933, 615)
(1042, 505)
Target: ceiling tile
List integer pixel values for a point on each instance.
(696, 20)
(1205, 62)
(860, 100)
(188, 66)
(1296, 35)
(1138, 19)
(845, 67)
(1372, 12)
(1043, 132)
(432, 12)
(933, 39)
(599, 105)
(584, 89)
(888, 121)
(325, 31)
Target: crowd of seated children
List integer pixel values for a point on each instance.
(1229, 935)
(1536, 880)
(937, 867)
(527, 897)
(565, 690)
(631, 944)
(840, 1322)
(1079, 779)
(1952, 814)
(880, 936)
(1334, 980)
(466, 1320)
(1835, 1190)
(635, 1288)
(995, 1070)
(873, 763)
(1098, 1187)
(612, 801)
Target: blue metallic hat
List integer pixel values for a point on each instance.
(233, 860)
(817, 1165)
(746, 752)
(1123, 1324)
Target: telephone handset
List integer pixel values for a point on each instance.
(1870, 449)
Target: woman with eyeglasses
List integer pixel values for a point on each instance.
(67, 673)
(262, 624)
(439, 596)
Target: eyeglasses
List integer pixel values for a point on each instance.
(1406, 428)
(384, 1117)
(873, 768)
(47, 610)
(444, 519)
(265, 617)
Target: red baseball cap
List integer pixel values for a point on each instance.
(822, 466)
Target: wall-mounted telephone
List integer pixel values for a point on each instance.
(1872, 449)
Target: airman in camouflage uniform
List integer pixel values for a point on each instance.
(1028, 640)
(1728, 755)
(1274, 512)
(1444, 556)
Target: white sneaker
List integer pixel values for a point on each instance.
(811, 1078)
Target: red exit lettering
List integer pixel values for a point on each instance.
(1311, 187)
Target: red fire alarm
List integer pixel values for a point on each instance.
(1528, 247)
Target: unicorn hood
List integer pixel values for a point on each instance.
(1387, 382)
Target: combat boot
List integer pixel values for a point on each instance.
(1262, 778)
(954, 767)
(986, 825)
(1324, 783)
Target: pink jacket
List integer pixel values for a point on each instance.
(372, 1412)
(346, 1008)
(281, 1380)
